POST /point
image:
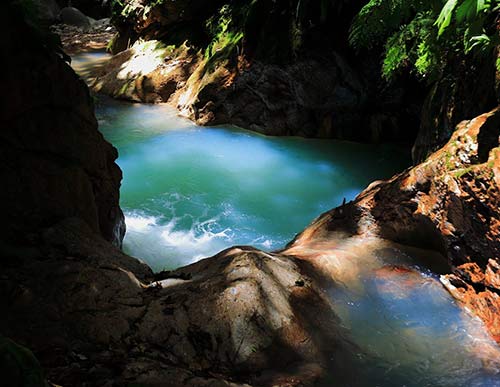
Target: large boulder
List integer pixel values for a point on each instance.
(54, 162)
(94, 316)
(96, 9)
(90, 313)
(74, 17)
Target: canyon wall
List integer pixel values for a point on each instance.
(55, 164)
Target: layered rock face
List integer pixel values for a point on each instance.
(302, 81)
(449, 203)
(54, 162)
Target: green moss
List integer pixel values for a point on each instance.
(458, 173)
(449, 165)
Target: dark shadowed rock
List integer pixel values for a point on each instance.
(95, 316)
(47, 10)
(309, 98)
(18, 366)
(54, 162)
(302, 81)
(74, 17)
(96, 9)
(450, 102)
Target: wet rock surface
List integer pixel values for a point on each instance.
(304, 81)
(449, 204)
(93, 315)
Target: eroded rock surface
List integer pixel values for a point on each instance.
(450, 203)
(307, 98)
(243, 317)
(304, 81)
(95, 316)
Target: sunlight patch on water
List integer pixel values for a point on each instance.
(410, 331)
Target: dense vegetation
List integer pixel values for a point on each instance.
(450, 46)
(274, 31)
(425, 36)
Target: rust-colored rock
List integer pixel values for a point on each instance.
(450, 203)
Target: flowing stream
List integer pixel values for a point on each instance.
(189, 192)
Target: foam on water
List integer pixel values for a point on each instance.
(158, 239)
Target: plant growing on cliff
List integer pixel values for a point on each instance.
(225, 35)
(425, 36)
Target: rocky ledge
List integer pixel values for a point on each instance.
(310, 98)
(450, 204)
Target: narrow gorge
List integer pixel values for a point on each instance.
(250, 193)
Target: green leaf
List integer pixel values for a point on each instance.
(444, 18)
(482, 5)
(467, 10)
